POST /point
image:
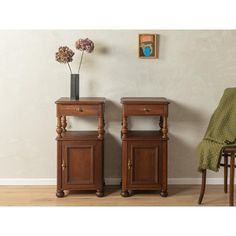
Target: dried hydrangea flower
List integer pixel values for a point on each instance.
(64, 55)
(85, 45)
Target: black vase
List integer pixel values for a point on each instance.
(74, 87)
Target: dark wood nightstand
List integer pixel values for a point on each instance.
(144, 153)
(80, 153)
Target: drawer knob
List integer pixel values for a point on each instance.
(146, 109)
(79, 109)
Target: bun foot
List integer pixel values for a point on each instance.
(124, 193)
(99, 193)
(60, 194)
(164, 193)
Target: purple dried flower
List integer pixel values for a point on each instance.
(85, 45)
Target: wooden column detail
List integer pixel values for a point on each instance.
(101, 124)
(124, 130)
(164, 128)
(64, 123)
(59, 127)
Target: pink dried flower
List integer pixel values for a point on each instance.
(85, 45)
(64, 55)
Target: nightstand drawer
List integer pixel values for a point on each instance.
(79, 110)
(143, 110)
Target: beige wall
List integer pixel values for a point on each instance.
(193, 69)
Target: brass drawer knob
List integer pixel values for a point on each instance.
(79, 109)
(146, 109)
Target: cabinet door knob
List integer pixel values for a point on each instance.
(63, 165)
(129, 164)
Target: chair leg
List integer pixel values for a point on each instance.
(202, 187)
(231, 196)
(225, 173)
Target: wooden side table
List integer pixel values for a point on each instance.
(80, 153)
(144, 153)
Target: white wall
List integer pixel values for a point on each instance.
(192, 71)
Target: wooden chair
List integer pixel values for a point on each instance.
(228, 152)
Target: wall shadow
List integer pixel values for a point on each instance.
(182, 158)
(182, 149)
(112, 156)
(180, 112)
(112, 141)
(113, 113)
(101, 48)
(162, 40)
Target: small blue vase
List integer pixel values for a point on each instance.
(147, 51)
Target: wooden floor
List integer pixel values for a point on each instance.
(185, 195)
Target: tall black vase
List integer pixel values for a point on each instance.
(74, 87)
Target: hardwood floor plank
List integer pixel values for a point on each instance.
(179, 195)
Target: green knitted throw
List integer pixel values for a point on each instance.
(221, 132)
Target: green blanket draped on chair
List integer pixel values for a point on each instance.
(221, 132)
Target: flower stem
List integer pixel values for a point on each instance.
(81, 58)
(69, 67)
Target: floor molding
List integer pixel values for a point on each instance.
(108, 181)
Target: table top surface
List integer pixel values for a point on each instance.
(82, 100)
(144, 100)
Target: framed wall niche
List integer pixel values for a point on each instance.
(148, 46)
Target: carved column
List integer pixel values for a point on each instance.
(164, 128)
(101, 124)
(59, 127)
(124, 130)
(64, 123)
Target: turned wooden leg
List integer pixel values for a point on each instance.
(202, 187)
(100, 193)
(59, 128)
(60, 193)
(164, 188)
(124, 193)
(164, 128)
(64, 123)
(231, 197)
(124, 130)
(101, 125)
(226, 173)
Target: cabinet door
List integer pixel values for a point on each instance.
(144, 164)
(82, 164)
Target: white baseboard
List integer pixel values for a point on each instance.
(27, 181)
(108, 181)
(175, 181)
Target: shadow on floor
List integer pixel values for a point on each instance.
(111, 189)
